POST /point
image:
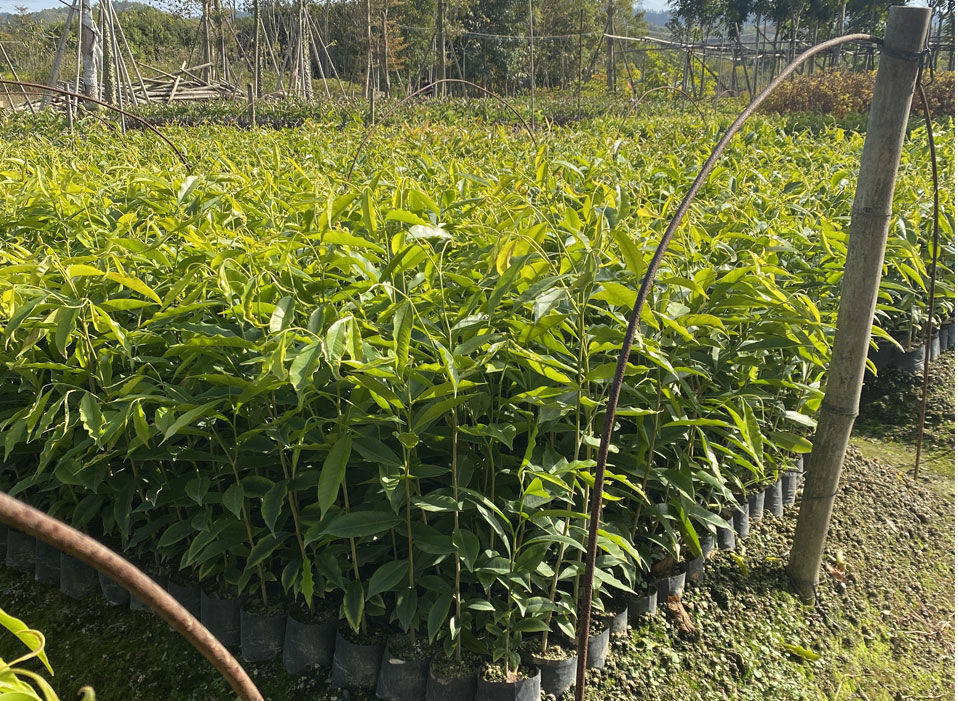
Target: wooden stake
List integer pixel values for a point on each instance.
(868, 231)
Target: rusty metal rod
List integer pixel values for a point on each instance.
(583, 617)
(31, 521)
(936, 213)
(61, 91)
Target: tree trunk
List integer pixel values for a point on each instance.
(91, 50)
(109, 67)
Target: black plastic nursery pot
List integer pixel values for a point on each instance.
(800, 464)
(707, 543)
(912, 360)
(261, 635)
(740, 520)
(619, 625)
(643, 604)
(188, 596)
(21, 552)
(528, 689)
(308, 645)
(441, 688)
(670, 586)
(789, 487)
(47, 565)
(725, 537)
(401, 679)
(221, 618)
(948, 335)
(695, 571)
(114, 593)
(598, 649)
(355, 664)
(77, 579)
(883, 356)
(773, 499)
(756, 505)
(557, 676)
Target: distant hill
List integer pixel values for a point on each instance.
(51, 15)
(658, 18)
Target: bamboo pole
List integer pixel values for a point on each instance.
(129, 52)
(58, 57)
(578, 82)
(868, 231)
(532, 69)
(13, 71)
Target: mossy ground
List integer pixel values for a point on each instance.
(884, 634)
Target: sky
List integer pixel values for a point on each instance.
(33, 5)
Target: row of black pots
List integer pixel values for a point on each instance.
(887, 355)
(306, 645)
(771, 499)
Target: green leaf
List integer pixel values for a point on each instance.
(630, 254)
(437, 615)
(140, 425)
(197, 488)
(467, 546)
(273, 504)
(359, 524)
(233, 499)
(282, 315)
(264, 547)
(402, 333)
(336, 339)
(616, 294)
(183, 420)
(27, 636)
(306, 585)
(65, 318)
(801, 419)
(802, 652)
(530, 625)
(387, 577)
(304, 365)
(353, 603)
(333, 473)
(132, 283)
(407, 604)
(791, 442)
(91, 416)
(175, 533)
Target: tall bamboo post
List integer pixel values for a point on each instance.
(868, 232)
(532, 70)
(257, 50)
(609, 47)
(578, 82)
